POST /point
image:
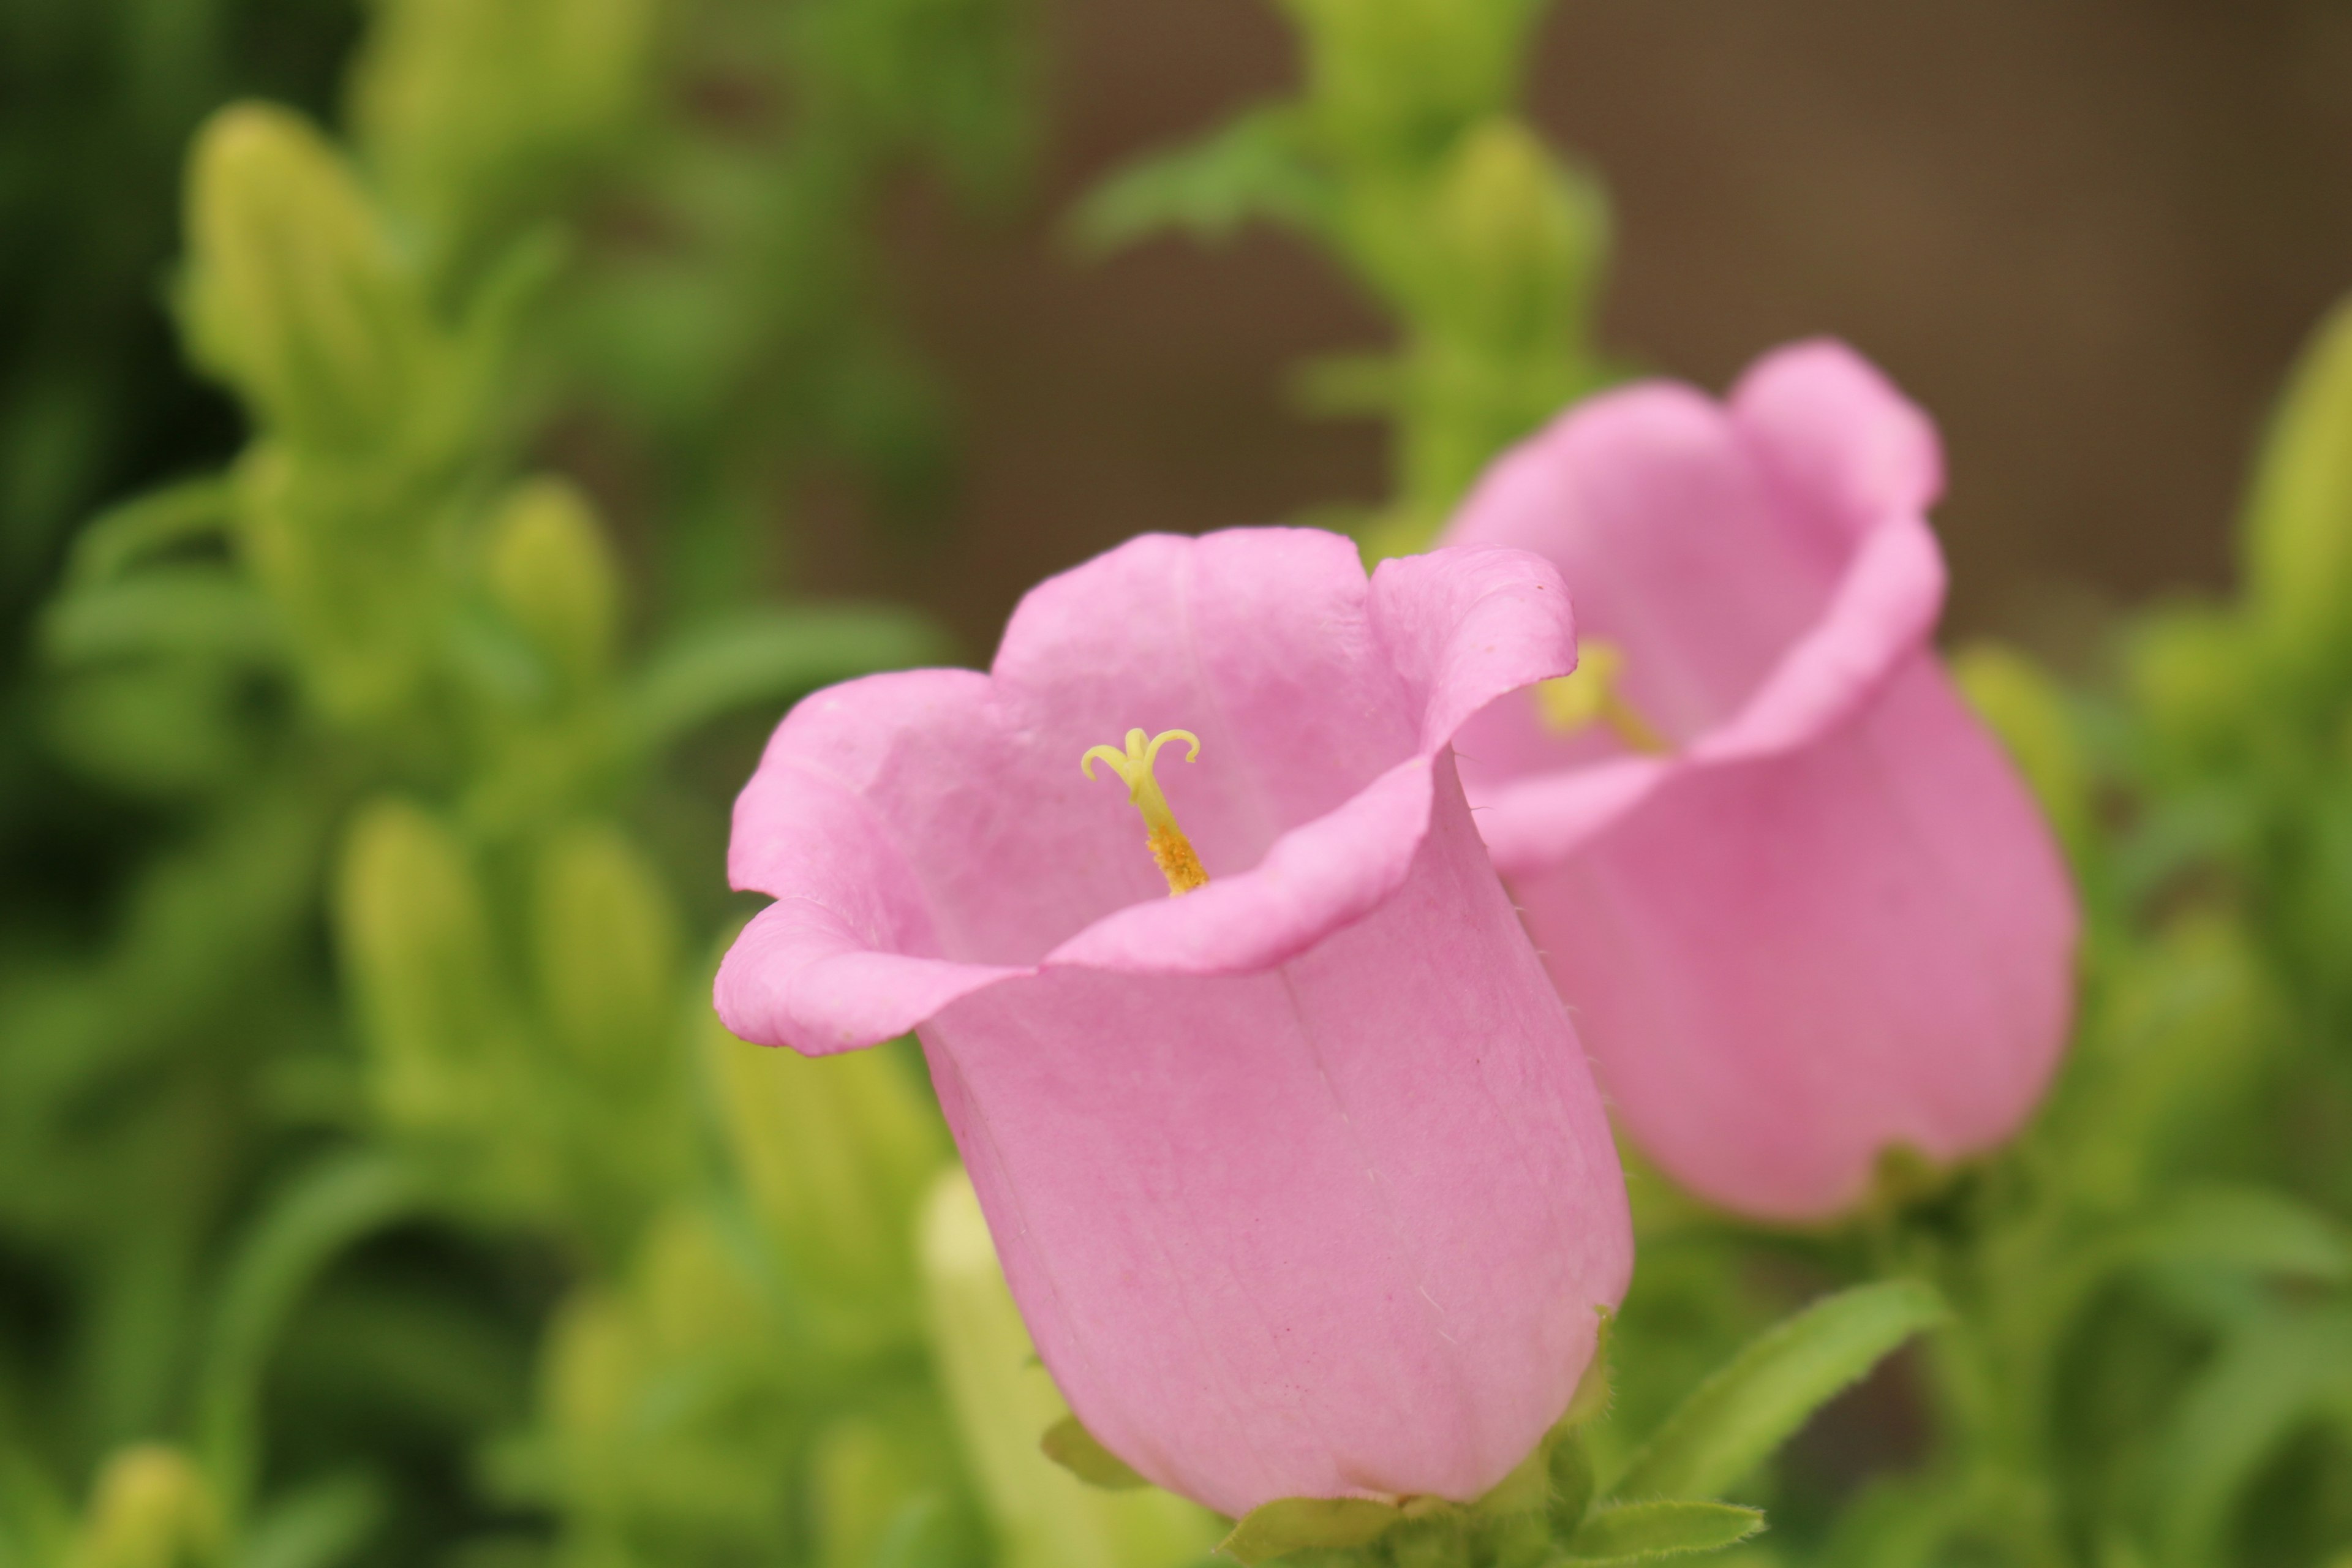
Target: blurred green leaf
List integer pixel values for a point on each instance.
(768, 659)
(2282, 1371)
(410, 1353)
(1255, 167)
(311, 1222)
(155, 730)
(36, 1525)
(1896, 1521)
(169, 611)
(316, 1526)
(2250, 1229)
(1640, 1531)
(2297, 534)
(863, 1484)
(1748, 1408)
(924, 1533)
(117, 538)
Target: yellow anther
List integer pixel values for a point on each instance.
(1589, 696)
(1170, 849)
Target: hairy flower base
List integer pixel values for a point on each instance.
(1547, 1510)
(1289, 1524)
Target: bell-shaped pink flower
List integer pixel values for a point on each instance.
(1300, 1179)
(1795, 893)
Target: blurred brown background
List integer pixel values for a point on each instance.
(2088, 234)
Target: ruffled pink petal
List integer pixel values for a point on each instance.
(1884, 609)
(941, 816)
(1335, 870)
(1841, 444)
(799, 974)
(1673, 541)
(1765, 564)
(1462, 627)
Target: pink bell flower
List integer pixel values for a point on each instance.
(1795, 893)
(1300, 1179)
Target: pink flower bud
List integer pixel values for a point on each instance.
(1800, 903)
(1299, 1177)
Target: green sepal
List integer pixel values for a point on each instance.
(1591, 1399)
(1298, 1524)
(1069, 1445)
(1527, 1488)
(1572, 1485)
(1905, 1177)
(1639, 1532)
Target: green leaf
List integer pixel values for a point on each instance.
(205, 611)
(768, 659)
(316, 1526)
(1297, 1524)
(1071, 1446)
(36, 1525)
(923, 1532)
(2247, 1228)
(1638, 1532)
(120, 536)
(1571, 1471)
(1591, 1399)
(2296, 537)
(1254, 167)
(1756, 1402)
(2283, 1370)
(323, 1212)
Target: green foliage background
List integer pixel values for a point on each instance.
(374, 1184)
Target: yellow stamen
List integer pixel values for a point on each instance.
(1170, 849)
(1589, 696)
